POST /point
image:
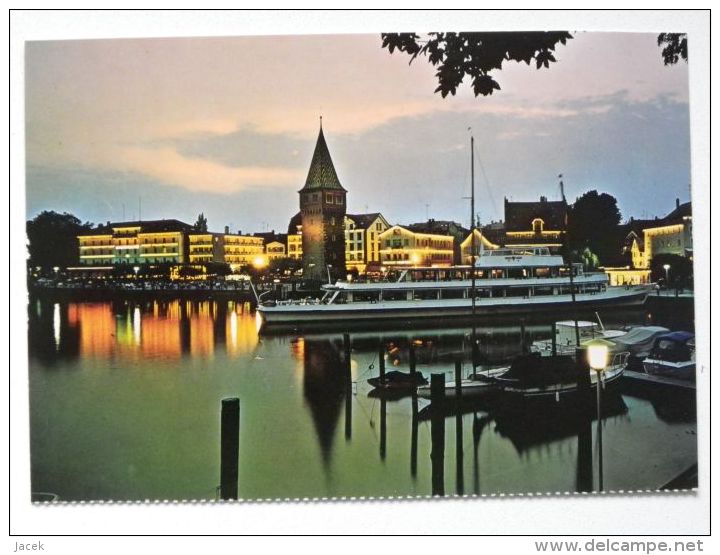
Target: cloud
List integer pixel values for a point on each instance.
(169, 167)
(236, 118)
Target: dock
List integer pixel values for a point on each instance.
(641, 378)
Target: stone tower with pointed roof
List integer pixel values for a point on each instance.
(323, 207)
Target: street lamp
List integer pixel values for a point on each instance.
(136, 269)
(597, 357)
(667, 275)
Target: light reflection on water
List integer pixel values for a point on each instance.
(125, 401)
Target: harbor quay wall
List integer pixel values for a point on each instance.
(676, 313)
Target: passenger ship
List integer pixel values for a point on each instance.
(507, 281)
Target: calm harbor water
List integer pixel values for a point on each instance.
(125, 405)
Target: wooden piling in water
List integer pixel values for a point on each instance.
(383, 428)
(554, 339)
(229, 447)
(522, 335)
(458, 380)
(348, 386)
(584, 468)
(381, 362)
(411, 354)
(414, 436)
(346, 348)
(459, 465)
(584, 390)
(437, 432)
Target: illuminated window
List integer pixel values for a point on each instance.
(537, 225)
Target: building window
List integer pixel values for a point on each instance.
(328, 198)
(338, 199)
(538, 225)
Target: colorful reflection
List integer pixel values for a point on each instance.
(202, 330)
(240, 329)
(125, 330)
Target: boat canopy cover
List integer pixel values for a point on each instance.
(672, 346)
(639, 339)
(678, 336)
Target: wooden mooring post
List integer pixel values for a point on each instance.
(459, 466)
(584, 407)
(437, 432)
(347, 367)
(411, 356)
(553, 330)
(229, 447)
(381, 361)
(383, 429)
(522, 335)
(414, 436)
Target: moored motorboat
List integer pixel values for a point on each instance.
(537, 377)
(397, 380)
(672, 355)
(566, 336)
(480, 383)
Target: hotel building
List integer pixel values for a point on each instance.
(645, 239)
(402, 247)
(482, 243)
(362, 240)
(150, 242)
(243, 250)
(163, 242)
(536, 224)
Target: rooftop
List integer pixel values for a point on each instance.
(146, 226)
(322, 173)
(519, 215)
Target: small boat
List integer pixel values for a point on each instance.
(479, 383)
(535, 376)
(638, 341)
(672, 355)
(566, 338)
(398, 380)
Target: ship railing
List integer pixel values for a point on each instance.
(298, 302)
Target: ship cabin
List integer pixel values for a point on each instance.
(501, 273)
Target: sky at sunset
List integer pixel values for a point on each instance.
(227, 126)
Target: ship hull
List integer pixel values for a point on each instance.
(295, 315)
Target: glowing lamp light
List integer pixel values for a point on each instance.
(259, 262)
(597, 354)
(415, 258)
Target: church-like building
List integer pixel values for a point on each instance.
(322, 209)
